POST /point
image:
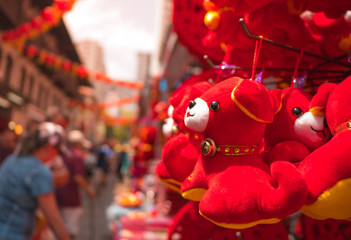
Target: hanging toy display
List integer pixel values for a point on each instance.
(230, 179)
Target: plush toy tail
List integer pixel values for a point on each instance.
(290, 192)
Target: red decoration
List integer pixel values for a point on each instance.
(31, 51)
(25, 29)
(37, 23)
(48, 14)
(66, 65)
(49, 60)
(63, 5)
(188, 17)
(82, 72)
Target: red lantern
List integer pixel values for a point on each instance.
(99, 76)
(209, 6)
(37, 23)
(31, 51)
(49, 60)
(58, 62)
(82, 72)
(63, 5)
(48, 15)
(66, 65)
(25, 29)
(7, 36)
(42, 56)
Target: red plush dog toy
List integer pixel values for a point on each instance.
(297, 128)
(234, 186)
(179, 155)
(327, 170)
(188, 224)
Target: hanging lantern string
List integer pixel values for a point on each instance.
(104, 105)
(293, 78)
(49, 17)
(49, 60)
(255, 58)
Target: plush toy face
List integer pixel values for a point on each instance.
(311, 129)
(197, 115)
(190, 89)
(228, 105)
(295, 121)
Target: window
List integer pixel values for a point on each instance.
(0, 56)
(40, 94)
(30, 86)
(45, 98)
(8, 69)
(23, 79)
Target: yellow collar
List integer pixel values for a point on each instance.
(343, 127)
(209, 148)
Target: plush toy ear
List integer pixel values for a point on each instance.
(253, 99)
(276, 97)
(320, 99)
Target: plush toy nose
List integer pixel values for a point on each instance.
(192, 104)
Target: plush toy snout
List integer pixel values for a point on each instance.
(197, 115)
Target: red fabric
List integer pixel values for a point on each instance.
(270, 20)
(179, 155)
(190, 225)
(163, 174)
(237, 186)
(330, 163)
(188, 17)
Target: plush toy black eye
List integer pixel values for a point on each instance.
(214, 106)
(297, 112)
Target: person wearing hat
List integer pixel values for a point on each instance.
(26, 183)
(68, 196)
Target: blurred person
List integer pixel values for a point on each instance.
(57, 166)
(68, 196)
(90, 159)
(8, 141)
(26, 184)
(58, 117)
(104, 154)
(122, 158)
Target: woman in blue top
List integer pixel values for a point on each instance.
(26, 184)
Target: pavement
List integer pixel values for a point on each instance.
(94, 223)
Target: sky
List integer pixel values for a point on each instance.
(122, 28)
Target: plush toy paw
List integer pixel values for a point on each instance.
(179, 156)
(163, 174)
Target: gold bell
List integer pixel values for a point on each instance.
(208, 147)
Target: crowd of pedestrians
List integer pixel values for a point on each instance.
(44, 173)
